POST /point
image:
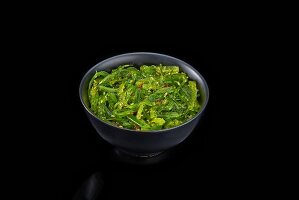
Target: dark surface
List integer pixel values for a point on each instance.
(70, 158)
(53, 148)
(143, 143)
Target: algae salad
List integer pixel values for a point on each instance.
(149, 97)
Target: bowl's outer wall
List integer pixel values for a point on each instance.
(142, 141)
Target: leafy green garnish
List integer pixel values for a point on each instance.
(153, 97)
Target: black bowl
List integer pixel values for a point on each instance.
(143, 142)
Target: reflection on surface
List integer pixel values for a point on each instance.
(118, 171)
(91, 188)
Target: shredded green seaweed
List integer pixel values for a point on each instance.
(153, 97)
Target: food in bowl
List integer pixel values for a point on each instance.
(150, 97)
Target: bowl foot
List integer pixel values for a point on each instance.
(125, 152)
(139, 158)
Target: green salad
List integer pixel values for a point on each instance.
(152, 97)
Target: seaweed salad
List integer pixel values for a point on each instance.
(150, 97)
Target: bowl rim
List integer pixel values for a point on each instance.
(145, 53)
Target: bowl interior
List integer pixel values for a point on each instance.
(140, 59)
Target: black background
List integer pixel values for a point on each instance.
(63, 149)
(54, 147)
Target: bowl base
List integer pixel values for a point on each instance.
(134, 158)
(125, 152)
